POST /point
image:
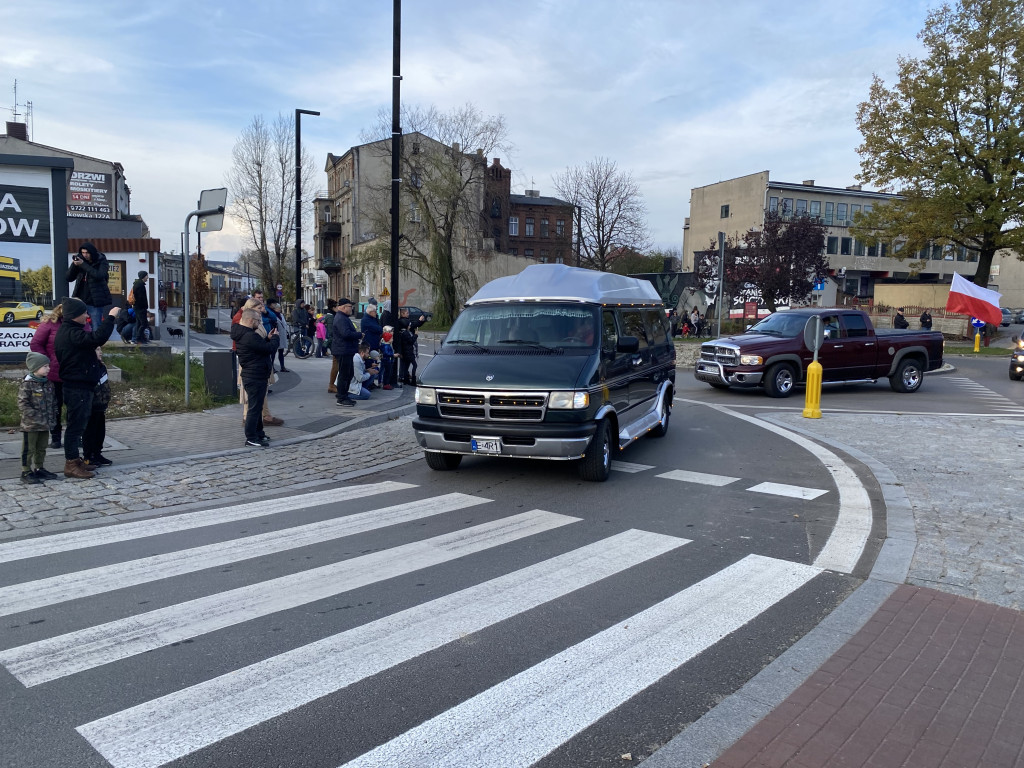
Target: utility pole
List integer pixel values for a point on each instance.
(396, 152)
(298, 199)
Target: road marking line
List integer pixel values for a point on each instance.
(172, 726)
(67, 654)
(686, 476)
(791, 491)
(519, 721)
(95, 537)
(625, 466)
(853, 524)
(94, 581)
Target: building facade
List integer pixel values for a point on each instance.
(739, 205)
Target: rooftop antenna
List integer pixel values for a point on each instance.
(28, 112)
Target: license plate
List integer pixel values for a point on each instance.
(485, 445)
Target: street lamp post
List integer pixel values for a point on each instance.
(298, 199)
(396, 150)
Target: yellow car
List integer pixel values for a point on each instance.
(19, 310)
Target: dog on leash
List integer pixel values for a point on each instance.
(175, 332)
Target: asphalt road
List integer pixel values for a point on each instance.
(504, 614)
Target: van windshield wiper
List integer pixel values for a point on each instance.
(470, 342)
(525, 341)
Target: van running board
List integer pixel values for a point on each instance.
(641, 427)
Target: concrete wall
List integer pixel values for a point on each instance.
(745, 198)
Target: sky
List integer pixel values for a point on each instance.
(679, 93)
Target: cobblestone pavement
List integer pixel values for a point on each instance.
(961, 475)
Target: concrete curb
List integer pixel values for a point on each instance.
(703, 741)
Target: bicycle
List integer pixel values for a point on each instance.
(300, 343)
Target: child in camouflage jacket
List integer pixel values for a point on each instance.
(36, 404)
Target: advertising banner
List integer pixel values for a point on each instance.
(90, 195)
(26, 262)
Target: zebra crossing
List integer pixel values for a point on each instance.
(509, 723)
(981, 394)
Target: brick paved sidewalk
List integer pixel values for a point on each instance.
(931, 681)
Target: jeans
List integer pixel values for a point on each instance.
(79, 403)
(96, 314)
(364, 394)
(128, 332)
(256, 396)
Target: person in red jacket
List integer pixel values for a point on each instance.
(42, 342)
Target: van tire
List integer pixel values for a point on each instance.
(442, 462)
(780, 380)
(666, 411)
(596, 464)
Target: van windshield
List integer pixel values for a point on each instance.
(569, 326)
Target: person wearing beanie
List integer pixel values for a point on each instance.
(35, 402)
(140, 303)
(80, 372)
(90, 271)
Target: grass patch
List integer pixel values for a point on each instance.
(149, 384)
(968, 351)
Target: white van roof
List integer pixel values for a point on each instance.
(553, 282)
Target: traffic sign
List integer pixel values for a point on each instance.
(210, 199)
(977, 323)
(814, 334)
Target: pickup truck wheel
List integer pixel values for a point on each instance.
(907, 377)
(780, 380)
(442, 462)
(596, 464)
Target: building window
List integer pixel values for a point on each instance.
(724, 214)
(415, 147)
(867, 209)
(841, 214)
(845, 245)
(833, 246)
(883, 250)
(544, 228)
(801, 207)
(773, 204)
(787, 206)
(872, 250)
(513, 226)
(414, 214)
(854, 210)
(858, 248)
(829, 210)
(560, 227)
(529, 227)
(528, 253)
(559, 259)
(816, 208)
(515, 251)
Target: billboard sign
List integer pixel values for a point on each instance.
(90, 195)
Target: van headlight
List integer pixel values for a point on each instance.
(426, 396)
(751, 359)
(568, 400)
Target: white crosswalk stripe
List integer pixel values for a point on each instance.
(175, 725)
(504, 723)
(66, 654)
(790, 491)
(58, 589)
(981, 393)
(511, 724)
(66, 542)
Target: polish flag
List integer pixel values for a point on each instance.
(970, 299)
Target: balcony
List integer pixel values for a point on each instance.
(330, 265)
(330, 229)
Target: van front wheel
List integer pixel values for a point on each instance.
(596, 464)
(442, 462)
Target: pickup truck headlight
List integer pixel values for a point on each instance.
(751, 359)
(426, 396)
(568, 400)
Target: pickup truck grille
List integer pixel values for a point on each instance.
(492, 406)
(718, 354)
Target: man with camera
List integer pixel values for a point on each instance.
(90, 271)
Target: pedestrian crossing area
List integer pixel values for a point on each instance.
(506, 566)
(979, 394)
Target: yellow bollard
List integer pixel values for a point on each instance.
(977, 341)
(812, 404)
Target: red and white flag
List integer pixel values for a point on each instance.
(970, 299)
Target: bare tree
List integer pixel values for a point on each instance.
(611, 217)
(442, 195)
(262, 186)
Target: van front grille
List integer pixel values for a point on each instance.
(492, 406)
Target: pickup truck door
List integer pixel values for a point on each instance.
(832, 354)
(860, 346)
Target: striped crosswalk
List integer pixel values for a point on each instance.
(543, 561)
(981, 394)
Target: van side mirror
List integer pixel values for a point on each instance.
(628, 344)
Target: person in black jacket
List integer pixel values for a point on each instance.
(407, 345)
(926, 320)
(900, 321)
(80, 373)
(141, 307)
(90, 271)
(344, 344)
(255, 349)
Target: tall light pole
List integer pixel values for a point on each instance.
(396, 151)
(298, 199)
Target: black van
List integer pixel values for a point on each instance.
(553, 363)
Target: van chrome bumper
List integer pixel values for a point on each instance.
(555, 448)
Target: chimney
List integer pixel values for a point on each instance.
(854, 187)
(497, 161)
(456, 147)
(808, 182)
(17, 131)
(533, 193)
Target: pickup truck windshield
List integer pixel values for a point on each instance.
(548, 325)
(781, 324)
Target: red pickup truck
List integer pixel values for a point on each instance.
(772, 353)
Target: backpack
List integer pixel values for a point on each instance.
(131, 297)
